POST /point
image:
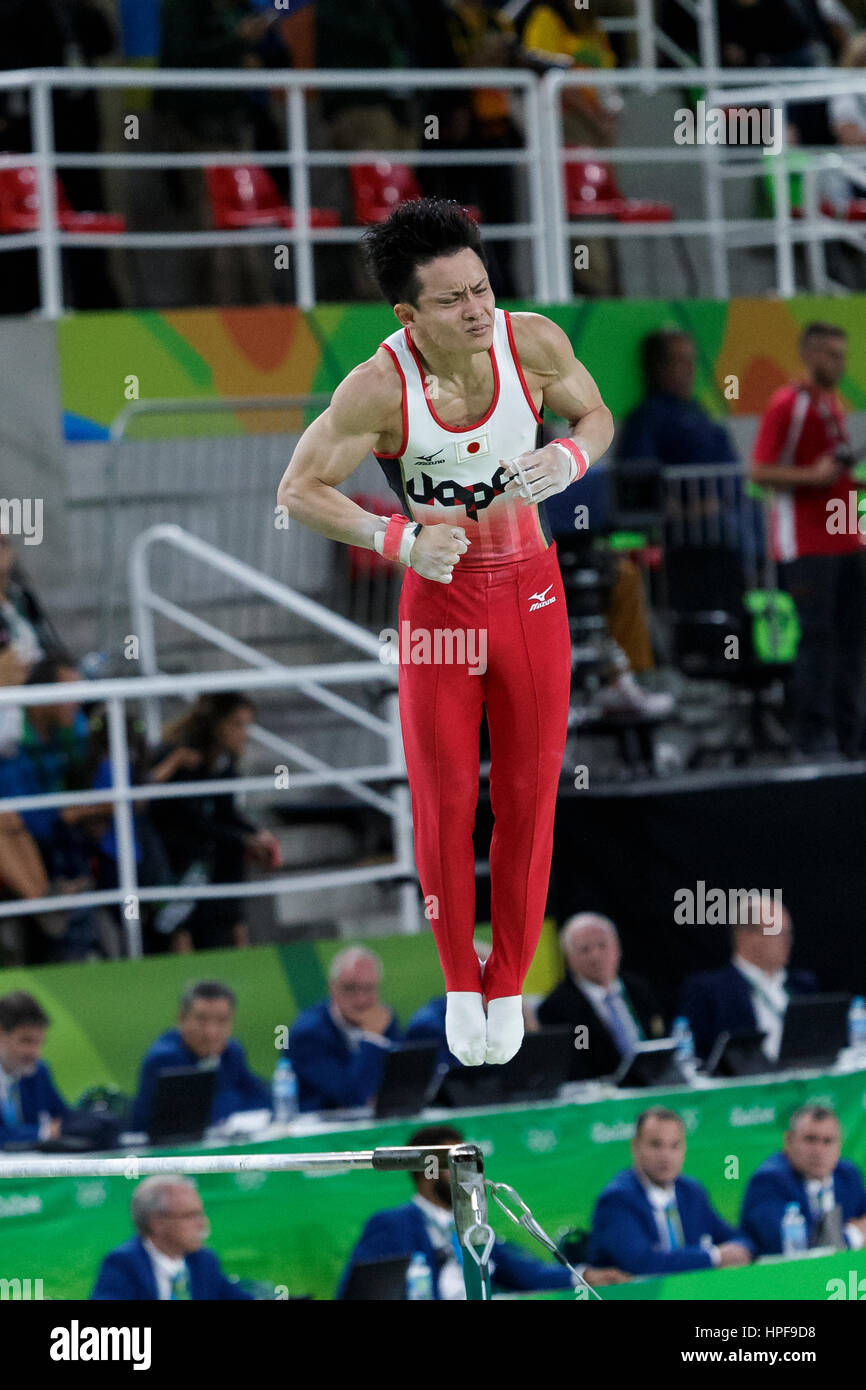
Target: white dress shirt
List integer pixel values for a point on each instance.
(822, 1199)
(769, 1001)
(659, 1199)
(165, 1269)
(440, 1224)
(596, 994)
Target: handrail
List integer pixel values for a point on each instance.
(310, 680)
(541, 155)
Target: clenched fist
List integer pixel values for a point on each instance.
(436, 550)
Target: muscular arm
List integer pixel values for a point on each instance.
(568, 390)
(364, 414)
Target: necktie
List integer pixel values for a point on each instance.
(180, 1285)
(8, 1107)
(618, 1030)
(674, 1226)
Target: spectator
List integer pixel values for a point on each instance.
(26, 636)
(206, 837)
(782, 34)
(165, 1259)
(753, 990)
(614, 1012)
(337, 1047)
(203, 1038)
(828, 1190)
(556, 29)
(671, 428)
(803, 453)
(50, 757)
(31, 1107)
(652, 1220)
(848, 110)
(425, 1225)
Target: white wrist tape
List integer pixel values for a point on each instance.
(407, 540)
(574, 466)
(379, 538)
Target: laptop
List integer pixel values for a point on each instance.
(651, 1064)
(181, 1106)
(379, 1281)
(739, 1054)
(408, 1079)
(815, 1030)
(539, 1069)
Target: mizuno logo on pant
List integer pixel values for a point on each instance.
(542, 598)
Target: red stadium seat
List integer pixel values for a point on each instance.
(245, 195)
(19, 207)
(377, 189)
(592, 191)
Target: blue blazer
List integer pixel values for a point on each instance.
(237, 1087)
(776, 1183)
(625, 1234)
(720, 1001)
(127, 1273)
(330, 1075)
(401, 1231)
(428, 1025)
(37, 1093)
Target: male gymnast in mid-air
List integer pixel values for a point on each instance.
(451, 406)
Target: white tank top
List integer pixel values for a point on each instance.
(447, 473)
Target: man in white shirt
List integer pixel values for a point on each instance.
(425, 1227)
(165, 1260)
(752, 992)
(810, 1174)
(609, 1012)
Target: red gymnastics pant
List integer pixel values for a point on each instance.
(525, 688)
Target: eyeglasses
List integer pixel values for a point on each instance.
(184, 1215)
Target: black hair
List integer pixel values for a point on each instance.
(197, 726)
(414, 235)
(430, 1136)
(819, 329)
(47, 670)
(20, 1010)
(209, 990)
(654, 352)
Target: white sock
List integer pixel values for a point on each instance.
(504, 1028)
(466, 1026)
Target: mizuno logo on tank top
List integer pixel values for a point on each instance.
(453, 474)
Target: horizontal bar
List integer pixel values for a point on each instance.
(134, 1167)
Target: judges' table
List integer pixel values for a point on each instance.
(295, 1230)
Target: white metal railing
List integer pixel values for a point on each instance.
(543, 157)
(726, 88)
(49, 241)
(263, 674)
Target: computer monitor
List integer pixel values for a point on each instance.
(815, 1030)
(408, 1077)
(181, 1106)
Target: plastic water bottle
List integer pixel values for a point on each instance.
(794, 1236)
(685, 1045)
(857, 1027)
(419, 1280)
(285, 1092)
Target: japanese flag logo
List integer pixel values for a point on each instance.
(473, 448)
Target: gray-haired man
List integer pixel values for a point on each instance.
(165, 1260)
(338, 1046)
